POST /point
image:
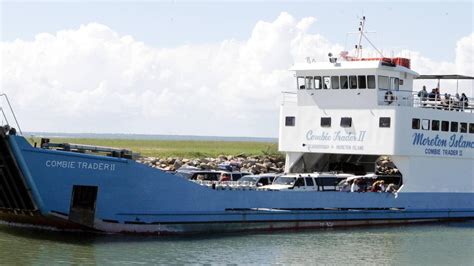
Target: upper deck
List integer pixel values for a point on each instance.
(365, 84)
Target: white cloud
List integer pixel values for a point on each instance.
(463, 65)
(465, 55)
(93, 79)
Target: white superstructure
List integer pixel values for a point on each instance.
(353, 112)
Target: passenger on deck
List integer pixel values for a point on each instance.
(448, 102)
(382, 185)
(391, 188)
(423, 94)
(432, 95)
(346, 186)
(464, 100)
(457, 101)
(378, 186)
(363, 185)
(355, 186)
(438, 94)
(224, 177)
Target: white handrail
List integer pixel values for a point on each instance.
(411, 98)
(11, 110)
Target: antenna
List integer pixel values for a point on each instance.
(361, 31)
(362, 34)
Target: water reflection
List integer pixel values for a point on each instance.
(426, 244)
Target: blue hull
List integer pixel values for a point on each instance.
(132, 197)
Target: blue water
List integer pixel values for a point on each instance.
(433, 244)
(146, 137)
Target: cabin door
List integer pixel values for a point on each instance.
(83, 201)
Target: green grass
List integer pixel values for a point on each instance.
(184, 149)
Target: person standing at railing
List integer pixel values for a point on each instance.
(432, 95)
(448, 102)
(464, 100)
(423, 94)
(438, 94)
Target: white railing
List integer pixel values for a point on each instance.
(411, 99)
(405, 98)
(441, 103)
(3, 95)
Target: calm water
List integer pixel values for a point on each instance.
(438, 244)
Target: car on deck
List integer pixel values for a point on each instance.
(258, 180)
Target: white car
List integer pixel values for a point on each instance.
(258, 180)
(307, 182)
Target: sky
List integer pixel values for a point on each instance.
(199, 68)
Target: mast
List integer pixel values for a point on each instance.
(361, 33)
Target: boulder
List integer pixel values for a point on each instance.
(177, 164)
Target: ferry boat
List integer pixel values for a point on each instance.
(346, 115)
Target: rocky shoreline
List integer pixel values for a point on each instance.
(252, 164)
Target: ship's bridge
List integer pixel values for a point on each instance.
(354, 84)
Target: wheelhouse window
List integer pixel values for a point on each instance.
(384, 122)
(384, 83)
(344, 82)
(317, 83)
(326, 83)
(353, 82)
(335, 82)
(371, 82)
(425, 124)
(471, 128)
(454, 126)
(325, 122)
(346, 122)
(435, 125)
(395, 83)
(445, 126)
(309, 84)
(362, 82)
(290, 121)
(300, 83)
(415, 123)
(309, 182)
(463, 127)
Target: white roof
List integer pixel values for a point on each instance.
(349, 65)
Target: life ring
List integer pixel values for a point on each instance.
(389, 97)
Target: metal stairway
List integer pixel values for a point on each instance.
(14, 194)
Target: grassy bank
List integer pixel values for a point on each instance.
(185, 149)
